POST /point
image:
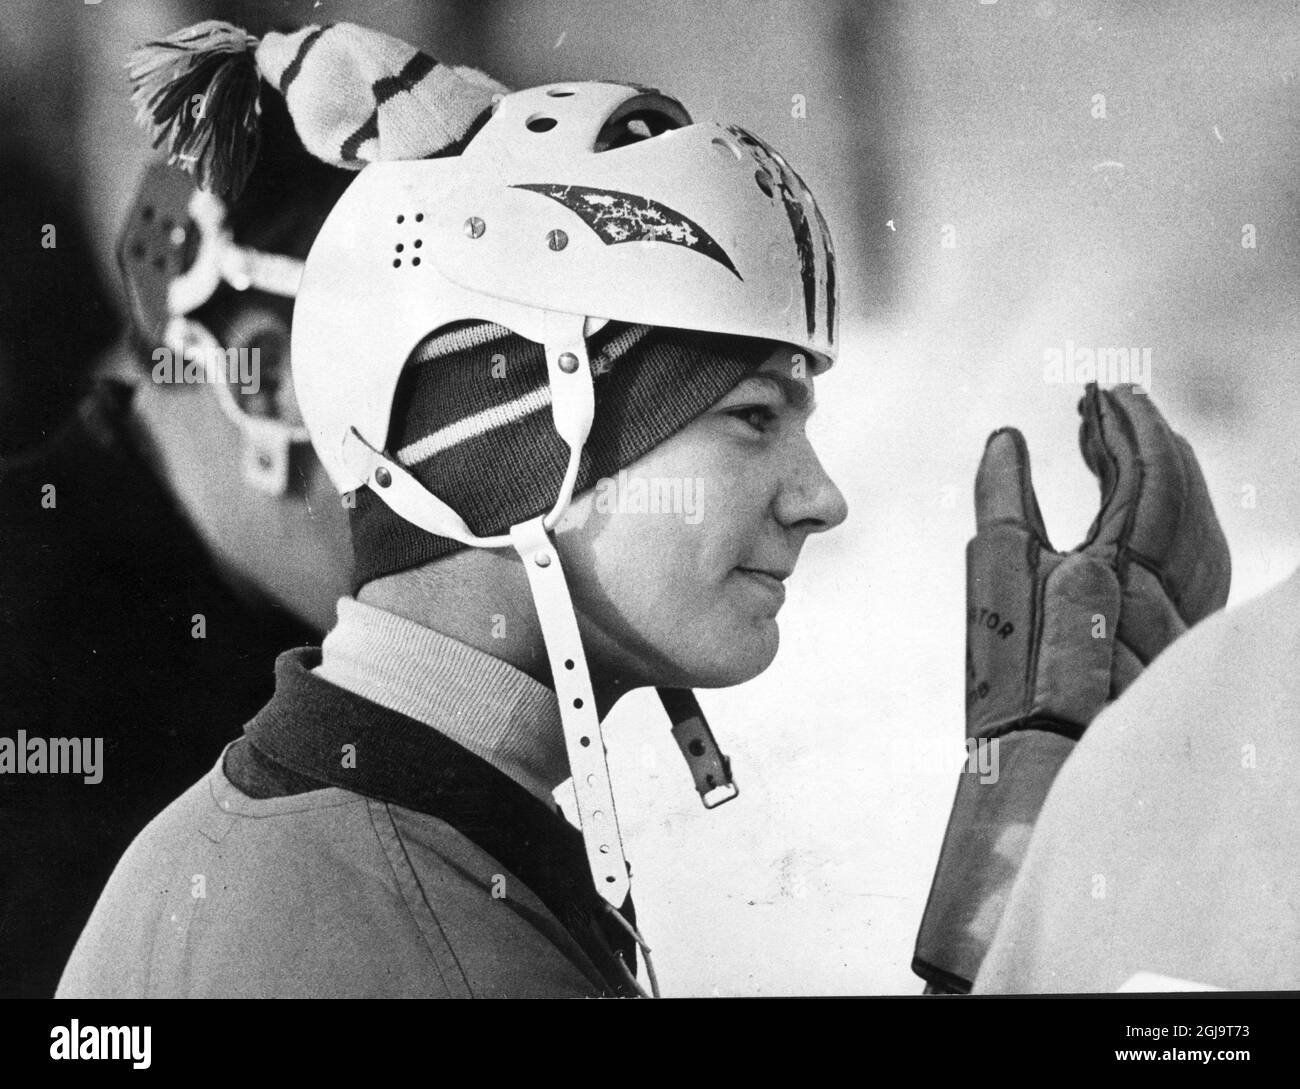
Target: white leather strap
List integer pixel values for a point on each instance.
(573, 407)
(582, 736)
(274, 273)
(218, 258)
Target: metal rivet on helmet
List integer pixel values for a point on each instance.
(557, 239)
(474, 227)
(383, 477)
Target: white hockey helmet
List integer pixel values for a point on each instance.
(702, 227)
(575, 204)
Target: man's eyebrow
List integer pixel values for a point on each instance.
(796, 394)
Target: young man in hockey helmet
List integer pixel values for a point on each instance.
(520, 296)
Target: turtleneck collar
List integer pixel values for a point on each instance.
(484, 704)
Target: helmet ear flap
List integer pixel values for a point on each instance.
(255, 330)
(158, 243)
(245, 361)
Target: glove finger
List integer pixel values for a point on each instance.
(1132, 451)
(1156, 507)
(1196, 565)
(1125, 668)
(1004, 488)
(1148, 619)
(1080, 610)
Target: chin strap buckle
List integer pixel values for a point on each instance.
(710, 767)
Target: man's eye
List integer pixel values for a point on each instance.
(759, 417)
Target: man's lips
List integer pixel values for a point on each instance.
(770, 580)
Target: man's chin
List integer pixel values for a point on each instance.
(735, 659)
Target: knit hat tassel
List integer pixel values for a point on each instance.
(198, 91)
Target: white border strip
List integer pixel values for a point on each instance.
(472, 426)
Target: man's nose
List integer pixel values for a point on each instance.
(809, 499)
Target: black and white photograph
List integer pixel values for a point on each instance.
(597, 499)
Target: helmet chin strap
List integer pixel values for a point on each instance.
(573, 409)
(582, 734)
(710, 768)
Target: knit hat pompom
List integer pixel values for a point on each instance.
(472, 422)
(356, 96)
(197, 91)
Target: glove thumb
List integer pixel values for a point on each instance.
(1004, 488)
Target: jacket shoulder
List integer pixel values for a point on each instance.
(322, 894)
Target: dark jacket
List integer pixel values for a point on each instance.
(342, 849)
(99, 586)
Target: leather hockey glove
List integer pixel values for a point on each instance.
(1052, 637)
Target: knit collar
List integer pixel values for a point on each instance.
(313, 733)
(489, 707)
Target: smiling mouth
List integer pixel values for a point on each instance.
(764, 579)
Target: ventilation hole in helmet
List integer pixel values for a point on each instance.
(726, 148)
(764, 182)
(561, 92)
(541, 123)
(697, 747)
(585, 741)
(634, 127)
(577, 703)
(568, 663)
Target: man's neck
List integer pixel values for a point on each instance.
(477, 700)
(481, 598)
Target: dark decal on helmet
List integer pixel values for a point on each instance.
(793, 195)
(831, 295)
(624, 217)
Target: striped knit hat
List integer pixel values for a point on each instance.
(474, 426)
(469, 422)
